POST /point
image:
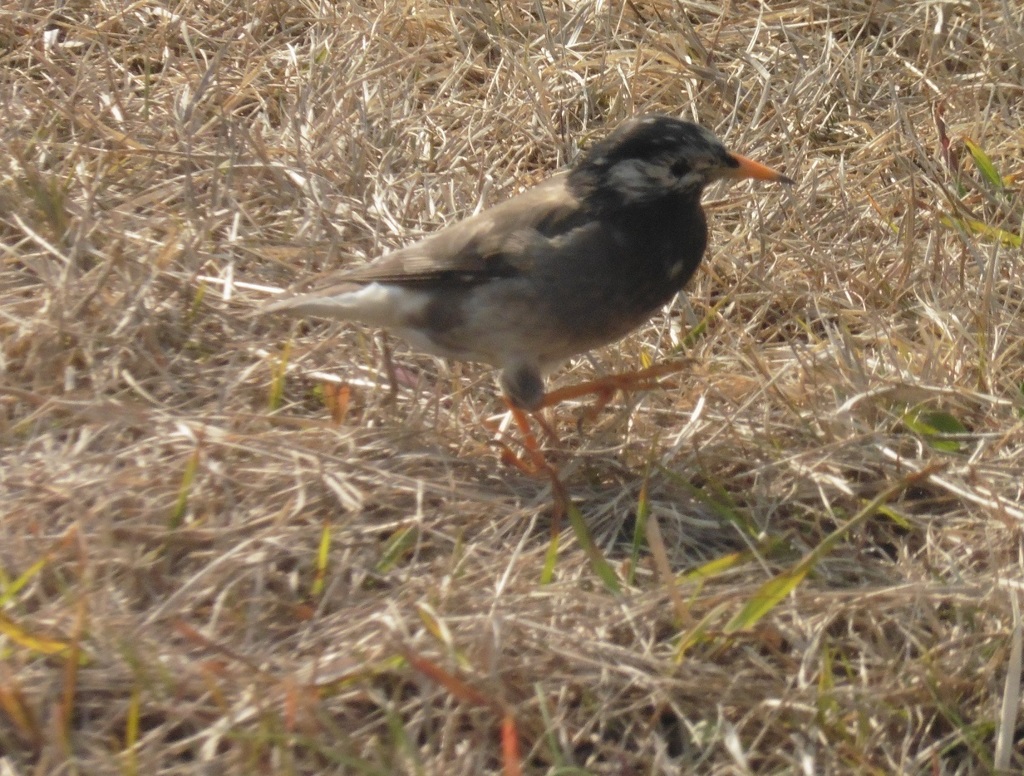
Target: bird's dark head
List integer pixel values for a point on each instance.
(654, 157)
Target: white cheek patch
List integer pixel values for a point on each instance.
(635, 180)
(639, 181)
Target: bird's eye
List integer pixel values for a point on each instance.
(680, 167)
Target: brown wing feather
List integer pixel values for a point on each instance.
(494, 243)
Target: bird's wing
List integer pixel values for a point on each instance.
(498, 242)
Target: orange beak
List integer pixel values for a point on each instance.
(750, 169)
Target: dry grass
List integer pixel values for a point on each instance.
(193, 581)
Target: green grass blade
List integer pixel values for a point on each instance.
(985, 165)
(777, 588)
(598, 563)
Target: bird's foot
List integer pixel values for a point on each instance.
(535, 463)
(605, 388)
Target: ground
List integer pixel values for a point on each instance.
(227, 547)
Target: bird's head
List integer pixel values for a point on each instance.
(653, 157)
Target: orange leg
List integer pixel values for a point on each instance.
(536, 464)
(606, 387)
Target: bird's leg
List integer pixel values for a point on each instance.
(545, 426)
(606, 387)
(538, 464)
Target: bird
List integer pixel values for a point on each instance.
(572, 264)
